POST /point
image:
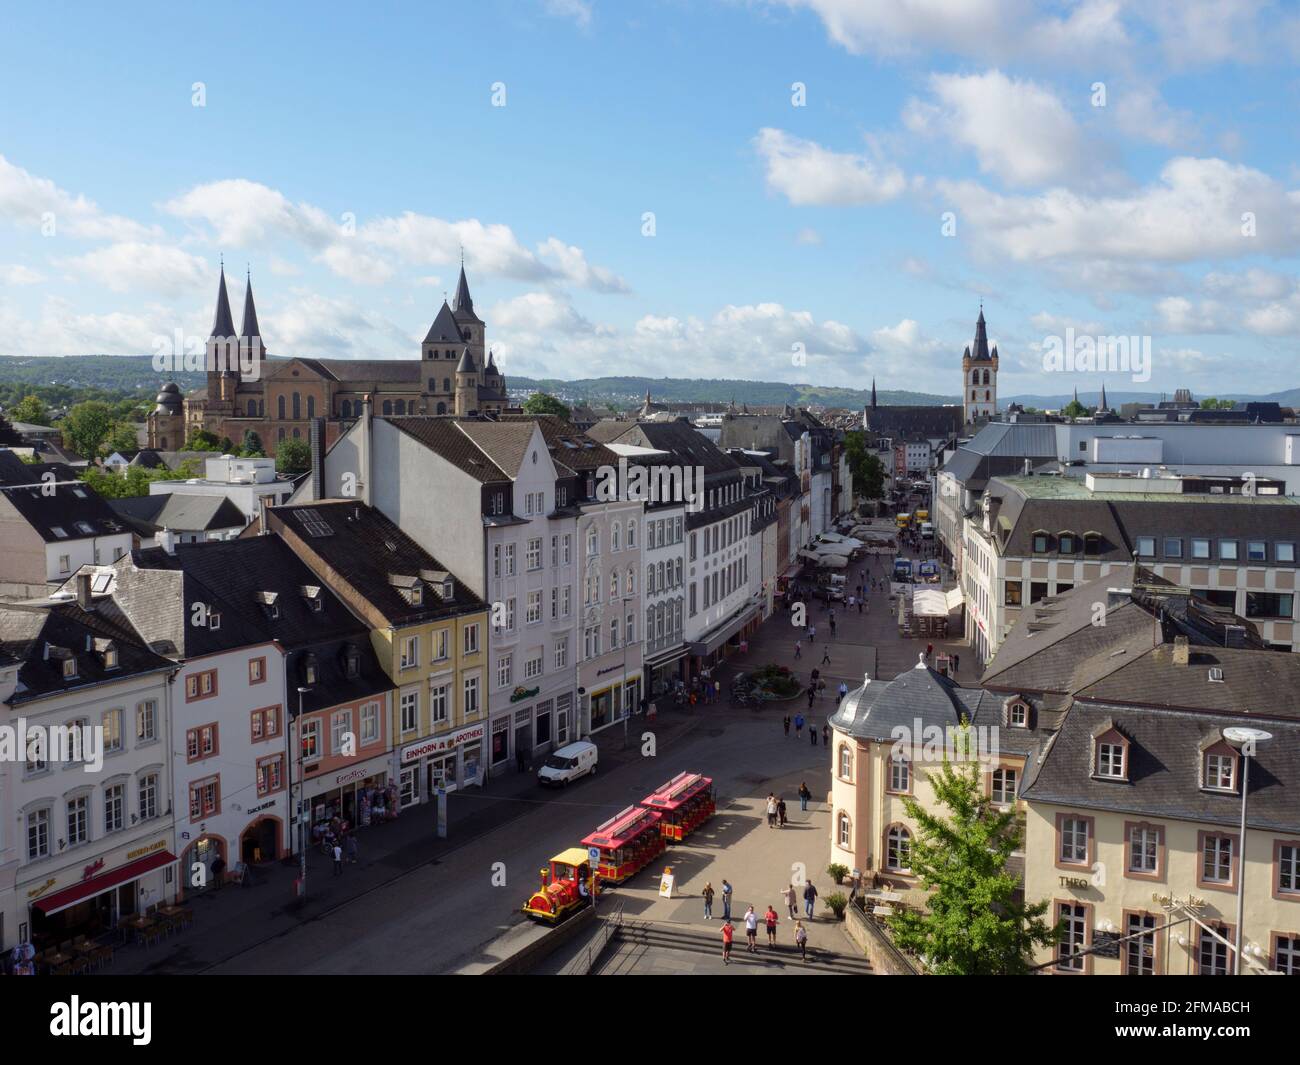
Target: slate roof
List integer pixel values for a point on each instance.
(180, 511)
(922, 421)
(366, 550)
(1164, 771)
(504, 442)
(444, 437)
(688, 446)
(63, 508)
(250, 328)
(380, 371)
(444, 329)
(223, 324)
(27, 631)
(874, 710)
(569, 446)
(464, 308)
(608, 430)
(14, 470)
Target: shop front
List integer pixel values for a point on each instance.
(450, 761)
(613, 698)
(530, 728)
(665, 672)
(728, 638)
(91, 897)
(358, 795)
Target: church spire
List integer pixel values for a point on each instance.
(250, 328)
(873, 393)
(464, 303)
(223, 325)
(1103, 397)
(980, 348)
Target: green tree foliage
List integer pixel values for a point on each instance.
(867, 469)
(541, 403)
(31, 409)
(251, 445)
(973, 924)
(202, 440)
(121, 437)
(135, 480)
(292, 456)
(1075, 409)
(87, 427)
(1217, 404)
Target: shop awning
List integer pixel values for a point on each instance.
(97, 885)
(715, 639)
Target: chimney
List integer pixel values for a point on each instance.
(317, 435)
(83, 590)
(167, 541)
(1180, 650)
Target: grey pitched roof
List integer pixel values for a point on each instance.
(41, 637)
(444, 329)
(73, 508)
(223, 325)
(922, 421)
(505, 442)
(687, 445)
(364, 371)
(1164, 769)
(574, 449)
(874, 710)
(365, 550)
(466, 364)
(180, 511)
(444, 437)
(980, 348)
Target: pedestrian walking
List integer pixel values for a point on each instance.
(843, 691)
(832, 628)
(826, 657)
(812, 694)
(809, 898)
(338, 860)
(812, 633)
(726, 901)
(727, 932)
(929, 650)
(771, 811)
(798, 648)
(798, 726)
(751, 930)
(826, 734)
(812, 734)
(791, 900)
(785, 723)
(956, 663)
(352, 848)
(521, 760)
(801, 939)
(859, 606)
(853, 599)
(707, 895)
(780, 812)
(804, 796)
(770, 918)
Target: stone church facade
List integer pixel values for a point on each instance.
(455, 375)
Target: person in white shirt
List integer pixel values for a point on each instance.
(751, 930)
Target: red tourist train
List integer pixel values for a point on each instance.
(686, 802)
(627, 843)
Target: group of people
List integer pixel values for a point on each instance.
(769, 919)
(798, 720)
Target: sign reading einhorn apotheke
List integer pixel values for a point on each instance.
(439, 744)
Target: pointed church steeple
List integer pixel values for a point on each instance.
(223, 325)
(873, 393)
(980, 348)
(250, 328)
(1076, 393)
(463, 305)
(1103, 397)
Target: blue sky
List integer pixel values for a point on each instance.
(778, 229)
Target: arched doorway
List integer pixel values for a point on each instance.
(260, 841)
(203, 852)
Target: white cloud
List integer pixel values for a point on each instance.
(17, 274)
(538, 314)
(1019, 130)
(26, 200)
(572, 265)
(577, 10)
(349, 261)
(1141, 113)
(133, 265)
(58, 329)
(1194, 211)
(808, 174)
(311, 324)
(246, 214)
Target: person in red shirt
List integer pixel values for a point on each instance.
(770, 919)
(727, 932)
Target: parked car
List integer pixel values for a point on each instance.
(570, 762)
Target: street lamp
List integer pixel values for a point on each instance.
(1247, 741)
(302, 824)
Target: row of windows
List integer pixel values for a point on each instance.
(1201, 548)
(77, 811)
(1262, 605)
(440, 704)
(721, 583)
(616, 540)
(439, 650)
(66, 743)
(342, 740)
(65, 561)
(721, 535)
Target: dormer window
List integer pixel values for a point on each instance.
(1018, 714)
(415, 594)
(309, 670)
(1067, 543)
(351, 662)
(311, 593)
(1111, 761)
(448, 589)
(69, 667)
(1221, 772)
(269, 604)
(110, 657)
(1041, 542)
(1092, 543)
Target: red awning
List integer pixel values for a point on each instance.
(97, 885)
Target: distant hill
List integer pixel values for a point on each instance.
(1090, 398)
(119, 373)
(630, 391)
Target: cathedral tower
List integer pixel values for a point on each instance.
(979, 374)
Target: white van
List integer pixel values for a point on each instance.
(927, 530)
(570, 762)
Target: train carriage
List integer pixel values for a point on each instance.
(685, 802)
(566, 887)
(628, 842)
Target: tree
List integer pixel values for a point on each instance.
(30, 409)
(202, 440)
(1074, 409)
(251, 445)
(121, 437)
(541, 403)
(86, 427)
(973, 925)
(867, 469)
(226, 446)
(292, 456)
(1217, 404)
